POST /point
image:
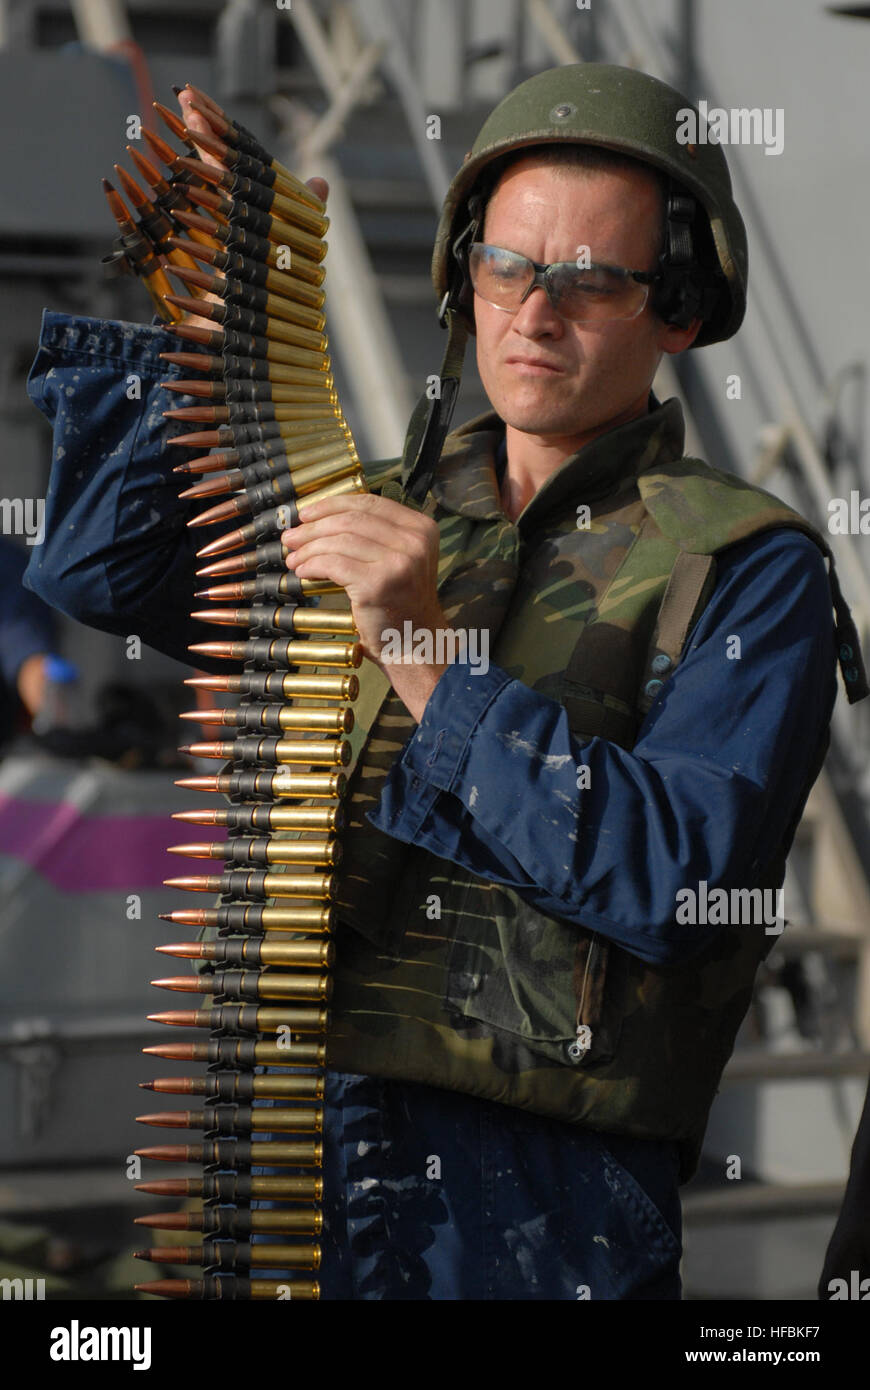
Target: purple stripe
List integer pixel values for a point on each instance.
(91, 854)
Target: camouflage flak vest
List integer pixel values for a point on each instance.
(487, 996)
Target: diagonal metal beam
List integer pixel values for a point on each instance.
(331, 123)
(381, 24)
(358, 322)
(552, 32)
(102, 24)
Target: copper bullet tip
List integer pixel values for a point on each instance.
(229, 566)
(197, 439)
(228, 617)
(224, 511)
(197, 221)
(195, 360)
(207, 106)
(200, 413)
(210, 463)
(222, 649)
(231, 541)
(204, 307)
(182, 983)
(165, 1288)
(167, 1221)
(175, 123)
(204, 279)
(209, 487)
(189, 387)
(158, 146)
(164, 1153)
(208, 142)
(193, 248)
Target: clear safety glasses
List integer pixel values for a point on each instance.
(585, 294)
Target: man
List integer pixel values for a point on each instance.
(528, 1025)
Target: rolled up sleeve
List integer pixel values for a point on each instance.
(117, 552)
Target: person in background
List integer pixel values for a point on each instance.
(28, 636)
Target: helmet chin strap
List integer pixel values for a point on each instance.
(430, 422)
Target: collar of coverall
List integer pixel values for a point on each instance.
(467, 482)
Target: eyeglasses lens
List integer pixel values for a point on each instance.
(587, 294)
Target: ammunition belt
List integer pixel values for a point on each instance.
(246, 240)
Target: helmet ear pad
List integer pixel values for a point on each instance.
(679, 296)
(687, 288)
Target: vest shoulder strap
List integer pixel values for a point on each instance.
(705, 510)
(688, 591)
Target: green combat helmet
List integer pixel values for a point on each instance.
(704, 261)
(630, 113)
